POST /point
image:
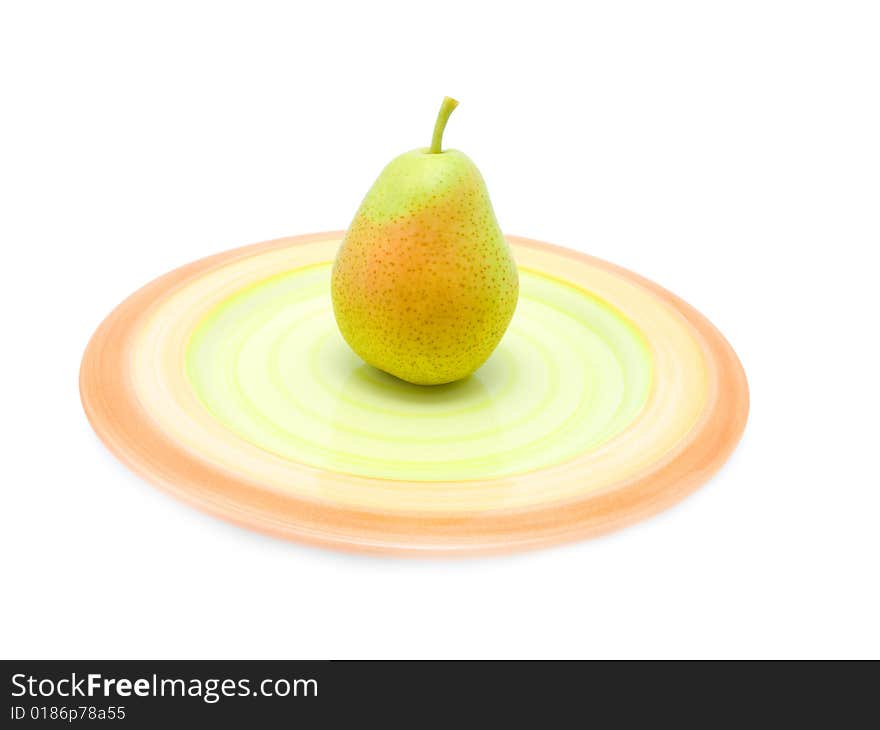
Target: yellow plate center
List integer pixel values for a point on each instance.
(268, 362)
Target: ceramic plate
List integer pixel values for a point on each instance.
(227, 383)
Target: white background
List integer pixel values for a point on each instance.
(730, 151)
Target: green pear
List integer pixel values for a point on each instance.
(424, 284)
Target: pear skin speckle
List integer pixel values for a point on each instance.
(424, 284)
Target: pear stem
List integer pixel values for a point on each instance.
(446, 108)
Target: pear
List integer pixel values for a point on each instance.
(424, 284)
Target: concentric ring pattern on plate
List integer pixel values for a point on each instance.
(227, 382)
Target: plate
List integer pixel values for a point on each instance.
(227, 383)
